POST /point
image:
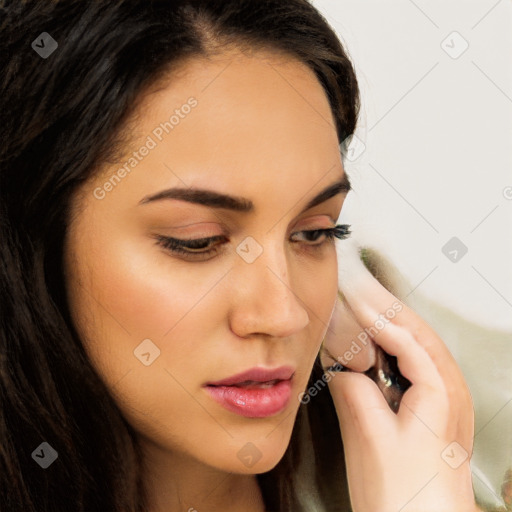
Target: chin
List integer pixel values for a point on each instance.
(256, 467)
(255, 455)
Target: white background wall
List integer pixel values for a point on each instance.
(437, 131)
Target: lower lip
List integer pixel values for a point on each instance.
(253, 402)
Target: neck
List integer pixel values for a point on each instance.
(176, 482)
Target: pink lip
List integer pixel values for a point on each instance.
(255, 399)
(257, 374)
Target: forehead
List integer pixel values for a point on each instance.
(257, 92)
(232, 118)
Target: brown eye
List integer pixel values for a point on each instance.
(201, 249)
(341, 231)
(193, 247)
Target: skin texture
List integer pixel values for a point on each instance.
(252, 134)
(262, 129)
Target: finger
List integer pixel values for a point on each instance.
(353, 442)
(402, 334)
(361, 408)
(376, 310)
(346, 342)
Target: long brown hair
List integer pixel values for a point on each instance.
(64, 114)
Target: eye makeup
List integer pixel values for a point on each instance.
(207, 247)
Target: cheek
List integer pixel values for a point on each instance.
(125, 295)
(318, 289)
(137, 292)
(130, 291)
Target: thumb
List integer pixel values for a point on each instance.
(360, 406)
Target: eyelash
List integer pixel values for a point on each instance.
(193, 247)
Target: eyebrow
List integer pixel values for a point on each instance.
(240, 204)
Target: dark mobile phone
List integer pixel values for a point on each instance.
(386, 374)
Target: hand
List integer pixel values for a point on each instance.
(416, 460)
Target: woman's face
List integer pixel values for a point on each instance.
(160, 325)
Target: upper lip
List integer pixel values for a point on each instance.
(258, 374)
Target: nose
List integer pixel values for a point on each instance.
(265, 299)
